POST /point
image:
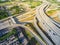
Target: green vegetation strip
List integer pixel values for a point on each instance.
(32, 40)
(17, 9)
(3, 14)
(28, 34)
(5, 3)
(54, 2)
(8, 35)
(51, 11)
(33, 4)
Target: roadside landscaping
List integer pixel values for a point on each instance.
(54, 14)
(32, 40)
(33, 4)
(3, 14)
(54, 2)
(3, 1)
(51, 12)
(17, 10)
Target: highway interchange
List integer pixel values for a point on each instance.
(48, 26)
(45, 26)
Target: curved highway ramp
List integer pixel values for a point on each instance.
(46, 27)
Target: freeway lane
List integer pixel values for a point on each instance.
(47, 19)
(47, 25)
(41, 33)
(54, 22)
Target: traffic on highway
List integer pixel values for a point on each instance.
(51, 30)
(33, 26)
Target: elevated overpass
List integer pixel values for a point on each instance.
(47, 25)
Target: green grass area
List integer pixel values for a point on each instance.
(58, 3)
(58, 8)
(17, 10)
(28, 34)
(7, 2)
(32, 40)
(34, 3)
(51, 11)
(54, 1)
(3, 14)
(8, 35)
(3, 1)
